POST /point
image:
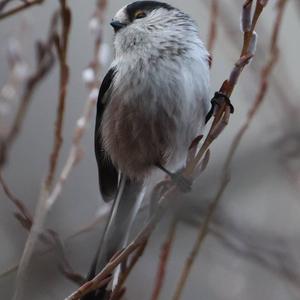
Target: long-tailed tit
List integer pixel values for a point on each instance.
(152, 104)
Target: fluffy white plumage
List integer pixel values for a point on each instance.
(152, 104)
(162, 73)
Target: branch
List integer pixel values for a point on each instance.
(119, 290)
(212, 35)
(26, 216)
(48, 195)
(41, 209)
(100, 217)
(61, 44)
(164, 257)
(44, 63)
(3, 3)
(26, 4)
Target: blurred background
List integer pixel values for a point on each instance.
(252, 251)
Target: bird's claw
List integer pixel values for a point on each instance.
(182, 183)
(216, 102)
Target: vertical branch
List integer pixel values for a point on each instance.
(49, 196)
(212, 35)
(41, 208)
(90, 77)
(61, 45)
(44, 64)
(119, 290)
(23, 211)
(164, 258)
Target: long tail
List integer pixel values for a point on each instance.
(124, 210)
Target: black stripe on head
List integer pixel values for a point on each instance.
(145, 6)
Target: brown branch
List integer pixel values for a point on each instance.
(49, 196)
(119, 289)
(212, 35)
(61, 44)
(49, 237)
(83, 121)
(86, 228)
(41, 208)
(164, 257)
(44, 63)
(123, 255)
(265, 74)
(3, 3)
(21, 7)
(15, 200)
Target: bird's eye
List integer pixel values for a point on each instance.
(139, 15)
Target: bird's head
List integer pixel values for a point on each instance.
(143, 25)
(139, 14)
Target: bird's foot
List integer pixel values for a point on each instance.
(182, 183)
(216, 101)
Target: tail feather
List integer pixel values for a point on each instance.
(115, 237)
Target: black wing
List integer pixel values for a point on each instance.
(108, 174)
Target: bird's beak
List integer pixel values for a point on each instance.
(117, 25)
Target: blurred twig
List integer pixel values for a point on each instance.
(100, 217)
(49, 237)
(61, 45)
(119, 290)
(23, 211)
(265, 74)
(44, 63)
(83, 121)
(212, 35)
(60, 41)
(3, 3)
(164, 257)
(49, 196)
(20, 7)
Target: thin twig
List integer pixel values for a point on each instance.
(164, 257)
(212, 35)
(3, 3)
(21, 7)
(86, 228)
(41, 209)
(15, 200)
(61, 44)
(119, 289)
(48, 197)
(44, 63)
(123, 255)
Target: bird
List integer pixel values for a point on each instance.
(152, 103)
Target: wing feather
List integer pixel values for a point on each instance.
(107, 173)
